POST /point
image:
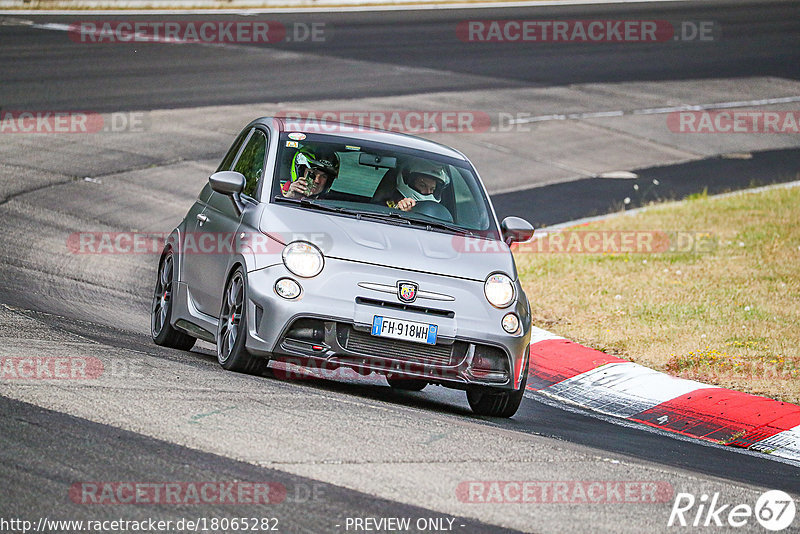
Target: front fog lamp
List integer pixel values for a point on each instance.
(287, 288)
(303, 259)
(511, 323)
(499, 290)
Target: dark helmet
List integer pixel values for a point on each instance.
(326, 162)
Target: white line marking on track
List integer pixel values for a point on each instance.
(658, 111)
(375, 6)
(281, 54)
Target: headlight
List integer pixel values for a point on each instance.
(499, 290)
(303, 259)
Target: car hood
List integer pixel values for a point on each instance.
(369, 241)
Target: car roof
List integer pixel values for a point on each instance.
(359, 133)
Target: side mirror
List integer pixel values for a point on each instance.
(227, 182)
(516, 230)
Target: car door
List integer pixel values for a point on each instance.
(192, 272)
(217, 226)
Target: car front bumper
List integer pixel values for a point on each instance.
(329, 324)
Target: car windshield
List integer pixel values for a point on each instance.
(383, 182)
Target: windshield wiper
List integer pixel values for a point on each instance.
(447, 226)
(335, 209)
(433, 224)
(392, 216)
(314, 204)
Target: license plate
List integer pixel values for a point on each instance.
(405, 330)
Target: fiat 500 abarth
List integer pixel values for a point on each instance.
(344, 247)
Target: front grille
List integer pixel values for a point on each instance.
(364, 343)
(405, 307)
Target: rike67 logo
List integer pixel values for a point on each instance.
(774, 510)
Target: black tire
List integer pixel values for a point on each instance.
(406, 384)
(232, 330)
(488, 401)
(161, 310)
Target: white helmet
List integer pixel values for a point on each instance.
(414, 167)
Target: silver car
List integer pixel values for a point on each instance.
(340, 247)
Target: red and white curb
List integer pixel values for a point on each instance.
(569, 372)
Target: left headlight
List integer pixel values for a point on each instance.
(499, 290)
(303, 259)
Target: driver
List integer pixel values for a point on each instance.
(423, 182)
(311, 175)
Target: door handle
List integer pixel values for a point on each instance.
(202, 218)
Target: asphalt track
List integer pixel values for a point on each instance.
(407, 53)
(169, 421)
(26, 427)
(589, 197)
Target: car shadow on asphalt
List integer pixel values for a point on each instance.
(432, 398)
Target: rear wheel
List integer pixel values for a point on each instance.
(406, 384)
(489, 401)
(232, 330)
(161, 311)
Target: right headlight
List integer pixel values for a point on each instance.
(499, 290)
(303, 259)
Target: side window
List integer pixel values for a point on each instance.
(227, 161)
(469, 213)
(251, 161)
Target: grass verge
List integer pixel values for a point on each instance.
(706, 289)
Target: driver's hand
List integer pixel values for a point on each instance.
(406, 204)
(297, 189)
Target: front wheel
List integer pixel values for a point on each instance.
(232, 330)
(487, 401)
(161, 311)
